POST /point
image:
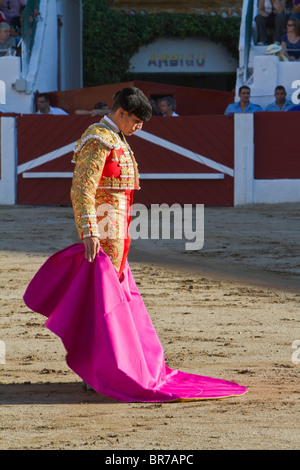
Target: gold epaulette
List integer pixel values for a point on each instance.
(100, 132)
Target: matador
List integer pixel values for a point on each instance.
(105, 177)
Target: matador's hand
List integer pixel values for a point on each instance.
(92, 247)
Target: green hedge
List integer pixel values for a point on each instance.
(111, 38)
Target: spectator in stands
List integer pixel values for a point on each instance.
(270, 15)
(296, 9)
(290, 41)
(3, 18)
(12, 10)
(244, 105)
(280, 103)
(100, 108)
(154, 107)
(7, 43)
(15, 32)
(43, 105)
(167, 106)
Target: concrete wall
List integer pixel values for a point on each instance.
(8, 160)
(247, 189)
(11, 100)
(269, 72)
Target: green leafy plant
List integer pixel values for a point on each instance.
(111, 38)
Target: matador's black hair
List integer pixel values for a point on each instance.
(133, 101)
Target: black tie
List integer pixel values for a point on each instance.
(121, 136)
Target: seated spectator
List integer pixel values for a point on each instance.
(270, 15)
(99, 109)
(43, 105)
(12, 10)
(155, 111)
(290, 41)
(244, 105)
(7, 43)
(280, 103)
(296, 9)
(167, 106)
(15, 32)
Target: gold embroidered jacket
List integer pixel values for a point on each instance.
(105, 168)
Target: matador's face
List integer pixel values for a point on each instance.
(129, 124)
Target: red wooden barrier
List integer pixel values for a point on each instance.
(42, 151)
(276, 141)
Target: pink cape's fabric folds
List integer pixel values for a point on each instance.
(109, 338)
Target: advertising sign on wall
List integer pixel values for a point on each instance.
(190, 55)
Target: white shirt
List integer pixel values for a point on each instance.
(54, 111)
(106, 118)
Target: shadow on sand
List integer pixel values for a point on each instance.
(70, 393)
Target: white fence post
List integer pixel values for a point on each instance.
(243, 159)
(8, 160)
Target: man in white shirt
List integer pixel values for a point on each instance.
(43, 105)
(167, 106)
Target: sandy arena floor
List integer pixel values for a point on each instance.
(229, 310)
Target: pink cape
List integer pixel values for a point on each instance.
(107, 333)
